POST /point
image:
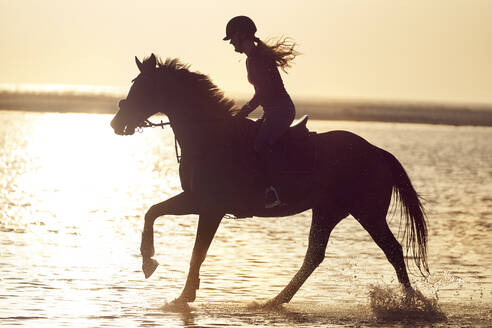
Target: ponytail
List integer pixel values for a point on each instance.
(281, 51)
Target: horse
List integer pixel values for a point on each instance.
(347, 176)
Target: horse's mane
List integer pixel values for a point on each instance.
(188, 84)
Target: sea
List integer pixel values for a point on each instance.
(73, 196)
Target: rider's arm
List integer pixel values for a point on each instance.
(267, 82)
(249, 107)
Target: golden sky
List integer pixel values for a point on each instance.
(438, 50)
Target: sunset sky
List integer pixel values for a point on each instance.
(439, 50)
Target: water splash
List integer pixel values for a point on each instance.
(176, 306)
(393, 304)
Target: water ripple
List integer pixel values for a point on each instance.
(71, 221)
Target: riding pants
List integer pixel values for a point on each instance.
(275, 122)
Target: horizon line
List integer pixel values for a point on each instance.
(63, 89)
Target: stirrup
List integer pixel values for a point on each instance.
(276, 202)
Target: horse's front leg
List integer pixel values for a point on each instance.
(207, 226)
(181, 204)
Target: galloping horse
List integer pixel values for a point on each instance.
(219, 175)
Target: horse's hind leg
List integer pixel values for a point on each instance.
(374, 221)
(321, 227)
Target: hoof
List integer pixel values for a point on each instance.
(177, 305)
(186, 297)
(148, 266)
(272, 304)
(409, 292)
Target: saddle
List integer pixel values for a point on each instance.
(294, 153)
(234, 174)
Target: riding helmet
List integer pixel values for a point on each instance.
(242, 24)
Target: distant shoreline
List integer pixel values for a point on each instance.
(398, 112)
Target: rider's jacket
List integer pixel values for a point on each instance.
(263, 74)
(270, 93)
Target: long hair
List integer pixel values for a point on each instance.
(281, 51)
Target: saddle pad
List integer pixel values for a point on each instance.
(296, 155)
(290, 156)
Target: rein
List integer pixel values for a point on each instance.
(149, 124)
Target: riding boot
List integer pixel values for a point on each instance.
(272, 198)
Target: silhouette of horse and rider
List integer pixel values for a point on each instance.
(233, 165)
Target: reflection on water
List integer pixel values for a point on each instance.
(73, 195)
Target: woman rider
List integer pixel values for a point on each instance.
(262, 65)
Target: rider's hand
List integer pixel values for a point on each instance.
(244, 111)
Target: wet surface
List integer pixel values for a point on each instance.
(73, 196)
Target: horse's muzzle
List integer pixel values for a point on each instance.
(120, 128)
(120, 124)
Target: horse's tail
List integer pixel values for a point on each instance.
(415, 230)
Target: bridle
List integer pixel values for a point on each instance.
(149, 124)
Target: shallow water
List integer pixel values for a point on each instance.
(72, 199)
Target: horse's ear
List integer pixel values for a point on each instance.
(152, 61)
(139, 65)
